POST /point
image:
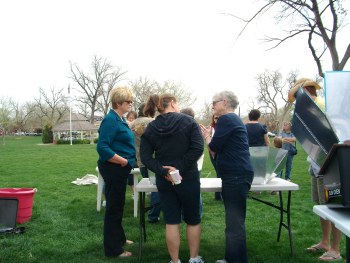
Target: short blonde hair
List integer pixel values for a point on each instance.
(120, 94)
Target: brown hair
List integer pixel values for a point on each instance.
(158, 103)
(277, 142)
(131, 113)
(188, 111)
(213, 122)
(254, 115)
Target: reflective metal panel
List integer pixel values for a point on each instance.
(267, 162)
(312, 128)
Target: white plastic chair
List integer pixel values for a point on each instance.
(200, 162)
(100, 182)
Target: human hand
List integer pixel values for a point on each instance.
(168, 177)
(124, 162)
(206, 131)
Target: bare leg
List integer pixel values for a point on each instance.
(172, 235)
(193, 233)
(336, 241)
(326, 227)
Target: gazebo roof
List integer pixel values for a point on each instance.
(79, 123)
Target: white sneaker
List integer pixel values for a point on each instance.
(198, 259)
(221, 261)
(104, 203)
(179, 261)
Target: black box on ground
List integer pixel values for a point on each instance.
(8, 214)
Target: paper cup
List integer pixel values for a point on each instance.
(175, 175)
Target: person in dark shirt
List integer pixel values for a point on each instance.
(171, 142)
(257, 133)
(231, 149)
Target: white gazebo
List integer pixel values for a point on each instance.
(81, 128)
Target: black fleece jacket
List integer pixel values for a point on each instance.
(172, 139)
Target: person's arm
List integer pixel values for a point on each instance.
(266, 139)
(292, 93)
(107, 133)
(118, 160)
(195, 149)
(289, 140)
(147, 157)
(207, 135)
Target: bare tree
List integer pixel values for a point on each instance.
(143, 88)
(320, 20)
(183, 96)
(21, 115)
(272, 93)
(5, 116)
(205, 114)
(94, 87)
(52, 105)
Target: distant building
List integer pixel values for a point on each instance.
(81, 128)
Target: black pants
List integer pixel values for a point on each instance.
(115, 178)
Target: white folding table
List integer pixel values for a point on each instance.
(214, 185)
(340, 217)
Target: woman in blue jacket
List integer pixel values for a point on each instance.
(117, 154)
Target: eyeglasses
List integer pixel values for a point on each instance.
(216, 101)
(128, 101)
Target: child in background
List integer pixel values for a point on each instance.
(277, 143)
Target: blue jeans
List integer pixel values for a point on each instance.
(235, 196)
(154, 213)
(289, 164)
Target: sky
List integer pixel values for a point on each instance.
(192, 43)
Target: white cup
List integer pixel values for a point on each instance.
(175, 175)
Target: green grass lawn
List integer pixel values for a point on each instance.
(65, 226)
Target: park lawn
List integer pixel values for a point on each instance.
(65, 226)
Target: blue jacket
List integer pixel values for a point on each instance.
(230, 142)
(115, 137)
